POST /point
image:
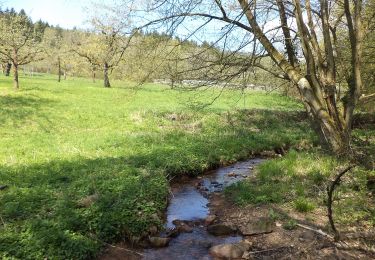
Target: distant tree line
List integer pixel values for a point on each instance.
(109, 49)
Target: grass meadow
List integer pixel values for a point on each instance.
(86, 165)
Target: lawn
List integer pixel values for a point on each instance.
(86, 165)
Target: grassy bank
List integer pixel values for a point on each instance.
(296, 185)
(84, 164)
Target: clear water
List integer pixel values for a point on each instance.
(189, 203)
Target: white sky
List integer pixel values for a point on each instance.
(66, 13)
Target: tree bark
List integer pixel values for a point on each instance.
(287, 36)
(15, 68)
(8, 68)
(106, 78)
(59, 72)
(93, 75)
(316, 87)
(331, 128)
(16, 83)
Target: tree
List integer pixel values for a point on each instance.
(105, 44)
(300, 38)
(19, 40)
(55, 48)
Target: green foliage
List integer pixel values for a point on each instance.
(291, 224)
(303, 205)
(86, 165)
(299, 179)
(19, 38)
(273, 215)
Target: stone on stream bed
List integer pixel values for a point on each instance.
(159, 241)
(220, 230)
(183, 226)
(232, 174)
(230, 251)
(209, 220)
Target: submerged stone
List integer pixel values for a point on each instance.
(159, 241)
(220, 230)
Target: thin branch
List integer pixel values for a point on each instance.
(330, 190)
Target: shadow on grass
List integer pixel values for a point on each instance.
(18, 109)
(64, 208)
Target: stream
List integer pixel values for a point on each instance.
(189, 203)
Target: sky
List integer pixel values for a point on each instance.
(66, 13)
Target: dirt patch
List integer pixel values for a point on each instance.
(297, 243)
(120, 251)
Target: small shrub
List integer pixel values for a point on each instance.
(274, 215)
(303, 205)
(291, 224)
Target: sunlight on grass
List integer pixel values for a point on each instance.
(64, 143)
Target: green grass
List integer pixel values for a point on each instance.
(299, 180)
(63, 142)
(303, 205)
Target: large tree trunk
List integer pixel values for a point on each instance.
(330, 126)
(8, 68)
(59, 66)
(106, 78)
(317, 84)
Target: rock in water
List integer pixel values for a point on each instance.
(220, 230)
(229, 251)
(209, 220)
(159, 241)
(232, 174)
(185, 228)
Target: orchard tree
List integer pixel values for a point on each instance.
(56, 48)
(299, 36)
(19, 40)
(104, 45)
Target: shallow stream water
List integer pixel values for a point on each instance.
(190, 203)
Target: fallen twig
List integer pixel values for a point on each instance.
(124, 249)
(268, 250)
(2, 221)
(318, 231)
(364, 248)
(362, 235)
